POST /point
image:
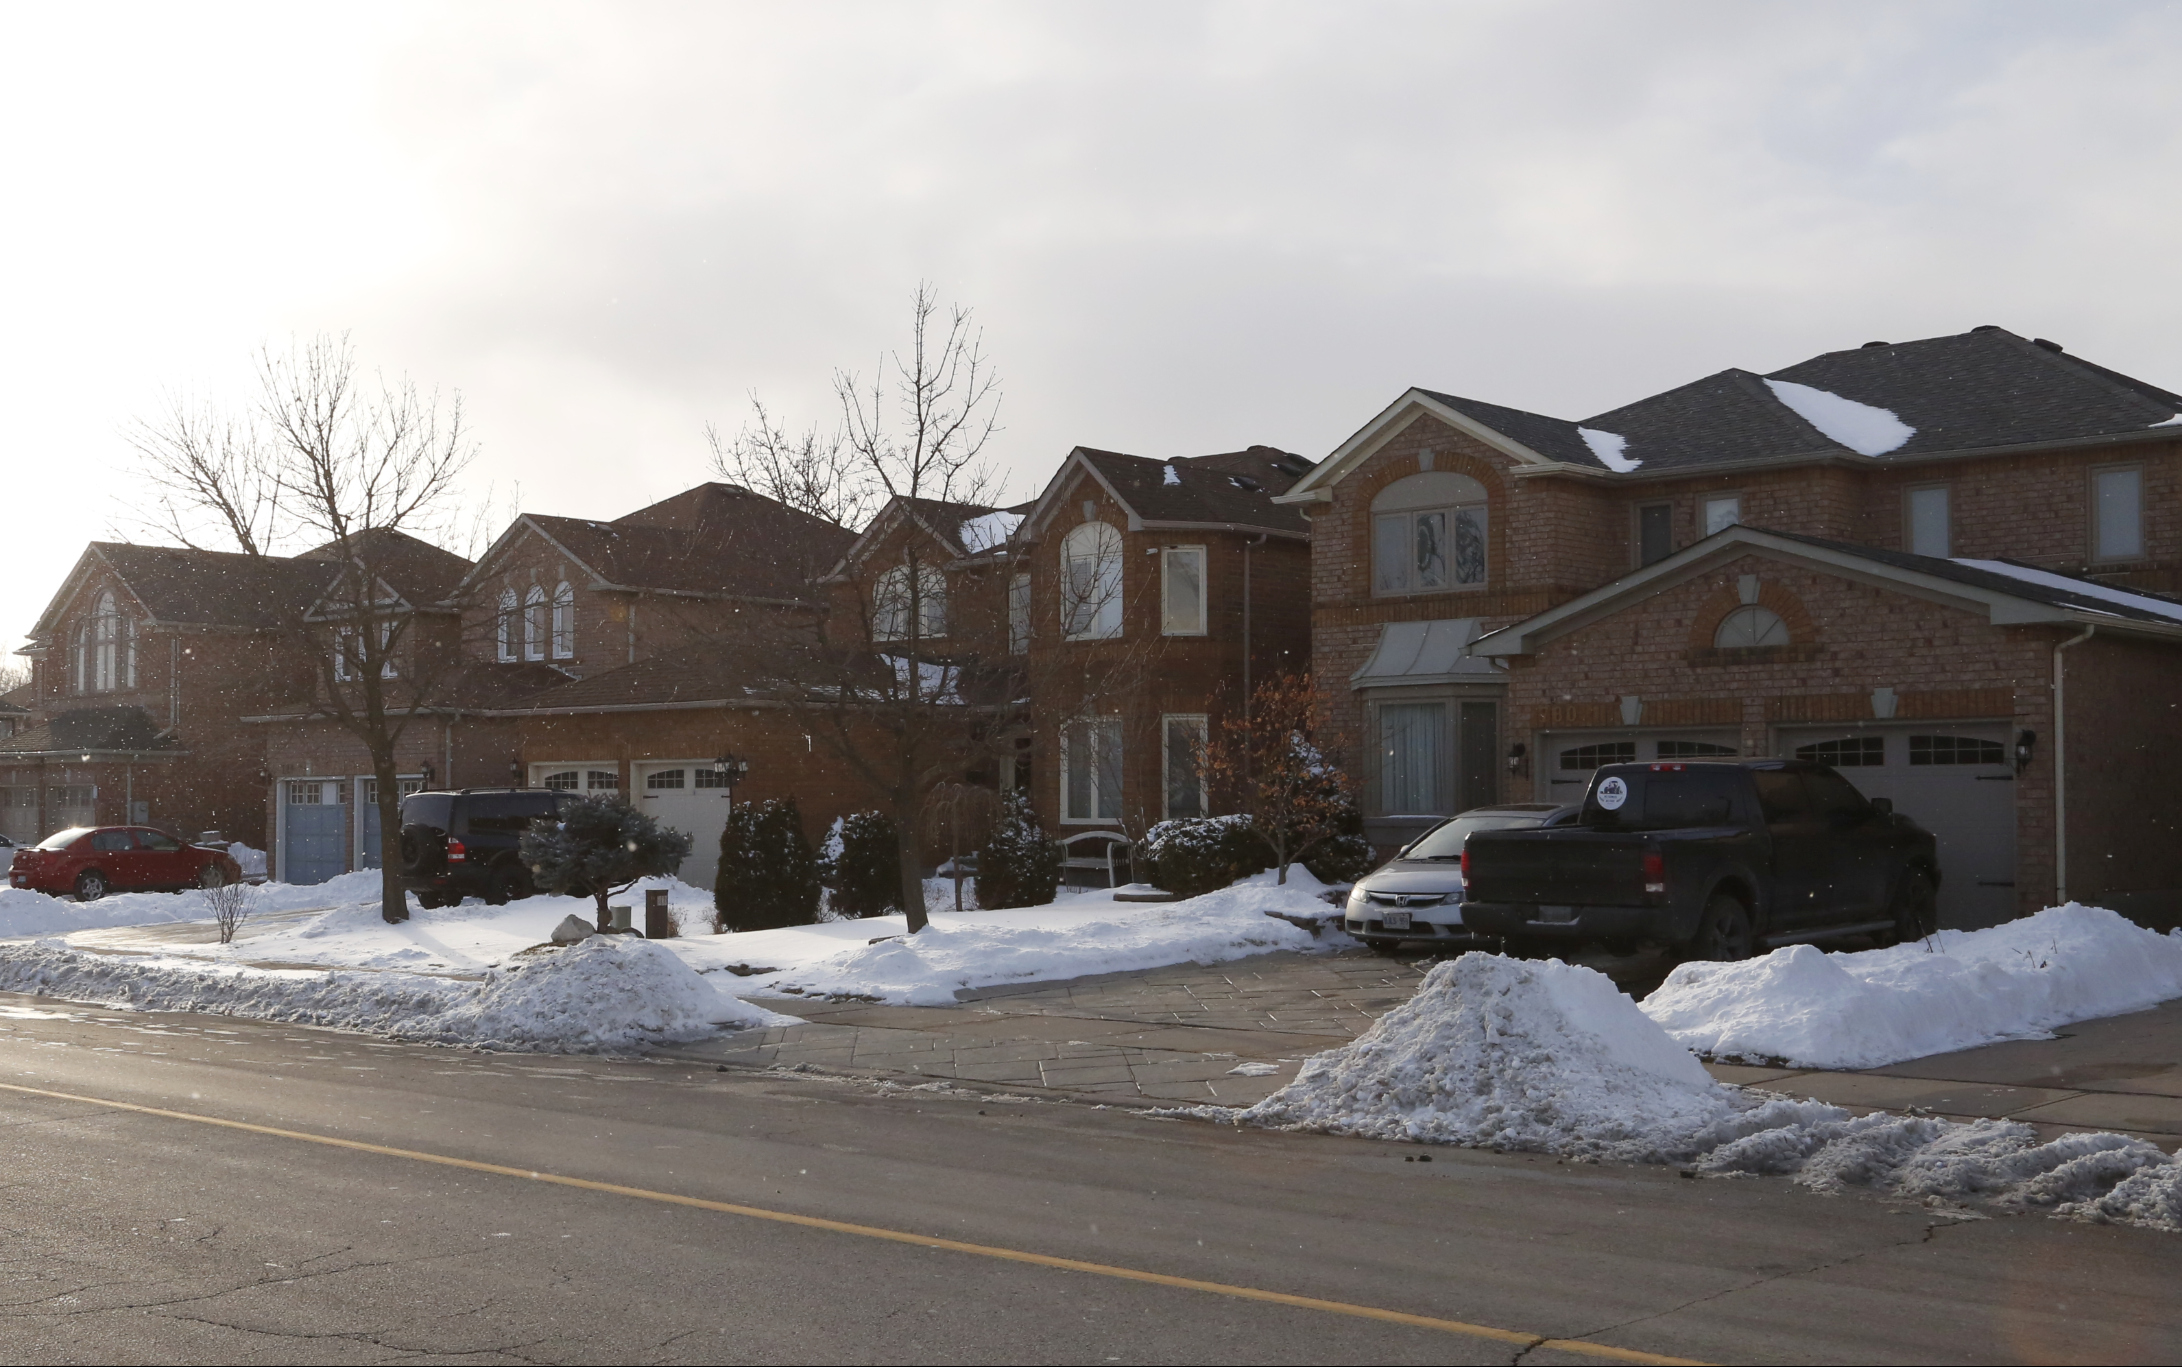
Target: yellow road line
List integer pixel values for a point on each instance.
(1131, 1274)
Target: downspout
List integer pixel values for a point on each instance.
(2060, 770)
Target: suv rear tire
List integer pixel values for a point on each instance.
(1724, 933)
(510, 883)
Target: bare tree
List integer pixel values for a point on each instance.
(364, 472)
(230, 904)
(879, 679)
(813, 471)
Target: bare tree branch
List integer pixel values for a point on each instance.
(812, 471)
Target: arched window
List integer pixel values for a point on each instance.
(1747, 628)
(504, 625)
(1091, 583)
(109, 646)
(893, 605)
(534, 624)
(1428, 534)
(564, 622)
(83, 658)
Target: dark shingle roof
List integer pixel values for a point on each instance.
(1730, 416)
(2092, 597)
(216, 588)
(1232, 487)
(714, 539)
(708, 671)
(420, 572)
(1553, 438)
(92, 730)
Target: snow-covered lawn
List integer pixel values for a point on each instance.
(1812, 1009)
(1080, 934)
(1549, 1058)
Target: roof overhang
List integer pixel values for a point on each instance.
(1434, 652)
(1049, 501)
(1317, 486)
(1999, 608)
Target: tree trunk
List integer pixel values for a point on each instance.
(912, 878)
(605, 917)
(393, 897)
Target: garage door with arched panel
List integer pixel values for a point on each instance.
(1956, 782)
(690, 797)
(1569, 758)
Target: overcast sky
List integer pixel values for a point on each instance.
(1185, 228)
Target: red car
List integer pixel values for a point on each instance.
(91, 861)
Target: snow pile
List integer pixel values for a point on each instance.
(1169, 475)
(1811, 1009)
(605, 994)
(251, 862)
(957, 952)
(23, 912)
(2082, 588)
(1548, 1058)
(1610, 448)
(1866, 430)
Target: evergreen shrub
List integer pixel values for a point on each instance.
(1021, 865)
(1344, 856)
(1194, 855)
(768, 870)
(861, 865)
(598, 846)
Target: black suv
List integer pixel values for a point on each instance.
(457, 845)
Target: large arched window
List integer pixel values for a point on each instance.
(564, 622)
(503, 626)
(893, 606)
(1428, 534)
(1091, 582)
(82, 671)
(1747, 628)
(534, 623)
(113, 647)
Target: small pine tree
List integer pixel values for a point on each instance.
(768, 871)
(599, 846)
(1021, 865)
(862, 865)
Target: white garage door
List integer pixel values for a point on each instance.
(1956, 782)
(1570, 758)
(688, 796)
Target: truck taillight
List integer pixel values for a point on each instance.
(457, 853)
(1655, 872)
(1465, 866)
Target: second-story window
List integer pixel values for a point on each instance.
(1722, 512)
(504, 625)
(894, 608)
(1182, 591)
(1019, 614)
(1929, 532)
(113, 647)
(1428, 534)
(564, 622)
(1655, 533)
(2117, 513)
(1091, 583)
(534, 623)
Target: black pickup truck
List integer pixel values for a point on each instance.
(1710, 859)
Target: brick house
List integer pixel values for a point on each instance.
(1512, 599)
(143, 666)
(1145, 596)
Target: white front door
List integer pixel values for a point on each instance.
(689, 797)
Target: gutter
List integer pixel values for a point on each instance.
(2060, 768)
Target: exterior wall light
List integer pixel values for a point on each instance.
(2026, 744)
(1515, 758)
(733, 769)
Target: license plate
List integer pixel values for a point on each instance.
(1394, 920)
(1557, 915)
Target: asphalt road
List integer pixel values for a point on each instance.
(134, 1237)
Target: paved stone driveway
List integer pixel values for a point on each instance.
(1170, 1034)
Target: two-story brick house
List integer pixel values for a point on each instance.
(1146, 597)
(1956, 532)
(143, 666)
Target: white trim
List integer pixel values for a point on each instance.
(1392, 421)
(540, 769)
(1204, 591)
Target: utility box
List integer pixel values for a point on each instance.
(658, 923)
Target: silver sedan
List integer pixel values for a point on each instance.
(1416, 897)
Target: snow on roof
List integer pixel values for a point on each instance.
(1608, 447)
(2083, 588)
(1866, 430)
(2175, 421)
(980, 534)
(1170, 476)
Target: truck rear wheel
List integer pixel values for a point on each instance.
(1916, 909)
(1724, 934)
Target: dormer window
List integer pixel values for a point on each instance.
(1091, 583)
(1428, 534)
(106, 649)
(894, 607)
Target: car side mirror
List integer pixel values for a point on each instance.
(1884, 806)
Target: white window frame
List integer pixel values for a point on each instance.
(112, 646)
(1946, 495)
(535, 623)
(504, 630)
(1019, 614)
(1096, 544)
(1397, 510)
(1167, 627)
(564, 621)
(890, 604)
(341, 638)
(1106, 725)
(2100, 553)
(1166, 763)
(584, 769)
(1734, 504)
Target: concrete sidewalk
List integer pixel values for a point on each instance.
(1180, 1034)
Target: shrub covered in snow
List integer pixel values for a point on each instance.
(768, 870)
(1196, 855)
(1345, 855)
(600, 845)
(1021, 865)
(861, 865)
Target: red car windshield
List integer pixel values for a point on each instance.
(61, 840)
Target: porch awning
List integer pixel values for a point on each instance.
(1424, 653)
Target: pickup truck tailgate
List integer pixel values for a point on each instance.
(1565, 866)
